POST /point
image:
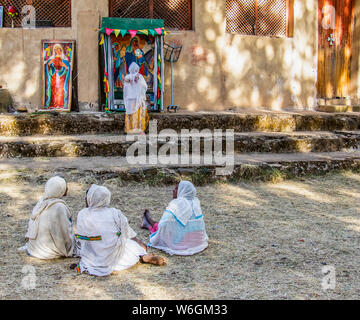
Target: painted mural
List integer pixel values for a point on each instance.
(126, 50)
(57, 71)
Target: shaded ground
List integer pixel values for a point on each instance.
(267, 241)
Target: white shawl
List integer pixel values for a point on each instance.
(55, 189)
(134, 92)
(102, 233)
(50, 231)
(182, 228)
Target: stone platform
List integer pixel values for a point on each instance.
(267, 145)
(117, 145)
(248, 166)
(103, 123)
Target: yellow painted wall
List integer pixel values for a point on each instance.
(216, 71)
(246, 71)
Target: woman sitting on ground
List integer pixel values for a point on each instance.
(181, 230)
(50, 234)
(106, 243)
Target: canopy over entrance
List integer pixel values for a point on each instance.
(125, 25)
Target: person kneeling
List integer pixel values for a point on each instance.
(50, 234)
(106, 243)
(181, 230)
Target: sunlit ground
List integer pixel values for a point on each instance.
(267, 241)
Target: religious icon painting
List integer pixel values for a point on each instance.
(57, 66)
(126, 50)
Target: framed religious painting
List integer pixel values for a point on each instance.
(57, 68)
(125, 50)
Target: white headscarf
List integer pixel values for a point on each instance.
(55, 189)
(98, 197)
(133, 69)
(134, 93)
(63, 56)
(187, 204)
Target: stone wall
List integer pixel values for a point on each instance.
(246, 71)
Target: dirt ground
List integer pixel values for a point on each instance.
(267, 241)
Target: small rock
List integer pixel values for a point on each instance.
(134, 171)
(186, 172)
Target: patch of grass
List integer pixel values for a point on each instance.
(202, 176)
(159, 178)
(274, 176)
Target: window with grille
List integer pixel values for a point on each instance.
(49, 13)
(260, 17)
(177, 14)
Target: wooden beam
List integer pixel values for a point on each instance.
(151, 9)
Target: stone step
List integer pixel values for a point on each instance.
(117, 145)
(338, 108)
(104, 123)
(250, 166)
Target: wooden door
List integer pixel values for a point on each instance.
(335, 22)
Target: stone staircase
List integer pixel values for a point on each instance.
(267, 145)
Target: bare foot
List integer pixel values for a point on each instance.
(148, 218)
(73, 266)
(145, 223)
(153, 259)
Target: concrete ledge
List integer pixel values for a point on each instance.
(338, 108)
(253, 167)
(116, 145)
(102, 123)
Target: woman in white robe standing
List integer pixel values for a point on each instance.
(135, 87)
(105, 241)
(50, 234)
(181, 230)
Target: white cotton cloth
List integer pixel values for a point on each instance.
(50, 231)
(134, 92)
(181, 230)
(113, 252)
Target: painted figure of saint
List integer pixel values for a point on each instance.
(57, 72)
(119, 65)
(135, 54)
